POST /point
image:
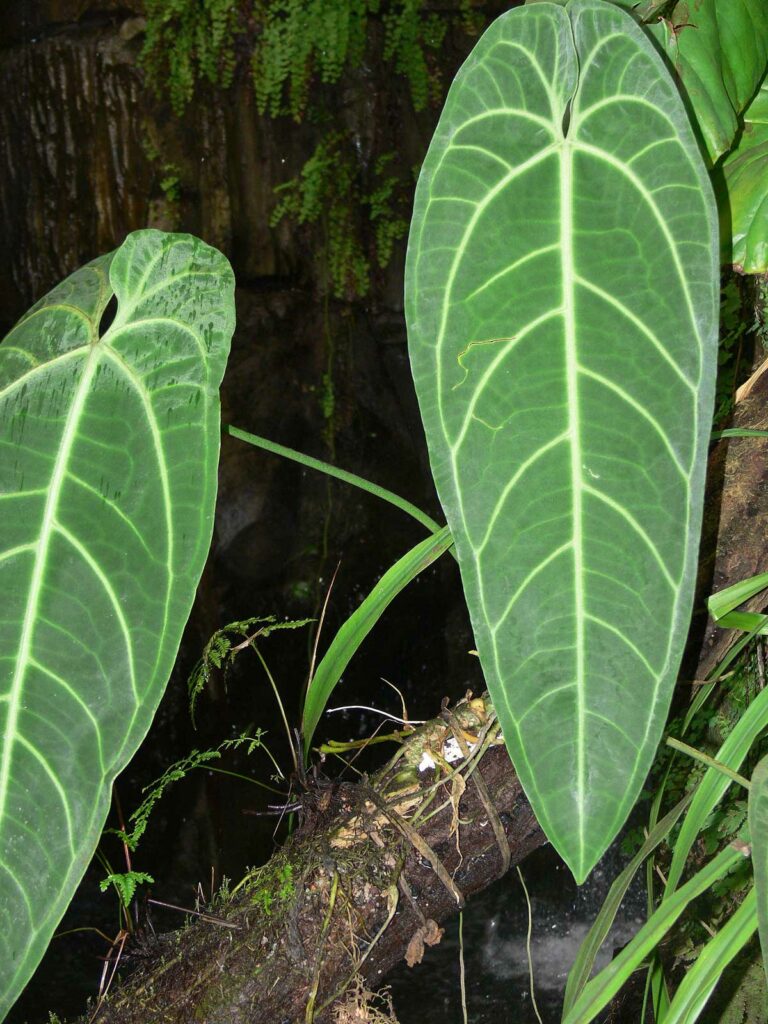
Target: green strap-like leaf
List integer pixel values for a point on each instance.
(584, 963)
(107, 487)
(758, 833)
(702, 976)
(604, 986)
(722, 605)
(714, 785)
(561, 297)
(361, 622)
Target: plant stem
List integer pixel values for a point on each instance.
(276, 692)
(698, 755)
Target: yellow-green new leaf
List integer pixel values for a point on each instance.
(561, 299)
(110, 447)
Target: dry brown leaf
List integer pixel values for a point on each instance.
(429, 934)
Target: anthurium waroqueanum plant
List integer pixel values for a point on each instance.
(110, 442)
(561, 296)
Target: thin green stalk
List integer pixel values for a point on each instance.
(699, 755)
(276, 692)
(245, 778)
(340, 474)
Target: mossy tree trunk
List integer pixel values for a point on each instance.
(373, 869)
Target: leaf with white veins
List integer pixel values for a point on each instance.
(110, 447)
(561, 299)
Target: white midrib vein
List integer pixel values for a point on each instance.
(574, 431)
(47, 529)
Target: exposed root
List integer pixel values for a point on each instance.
(361, 1006)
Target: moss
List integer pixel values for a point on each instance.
(272, 888)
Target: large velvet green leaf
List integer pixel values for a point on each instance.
(719, 49)
(107, 487)
(745, 204)
(561, 298)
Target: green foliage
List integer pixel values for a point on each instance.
(125, 884)
(745, 204)
(741, 998)
(301, 39)
(552, 374)
(409, 36)
(758, 827)
(170, 184)
(598, 992)
(154, 792)
(221, 650)
(187, 40)
(108, 484)
(329, 191)
(272, 889)
(719, 50)
(175, 773)
(291, 44)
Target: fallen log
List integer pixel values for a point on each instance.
(373, 869)
(377, 865)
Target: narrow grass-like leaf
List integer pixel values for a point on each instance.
(758, 834)
(339, 474)
(703, 975)
(590, 947)
(561, 298)
(361, 622)
(656, 992)
(714, 784)
(737, 432)
(110, 446)
(722, 605)
(599, 992)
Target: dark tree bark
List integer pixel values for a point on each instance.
(734, 545)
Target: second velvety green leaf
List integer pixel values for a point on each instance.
(561, 298)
